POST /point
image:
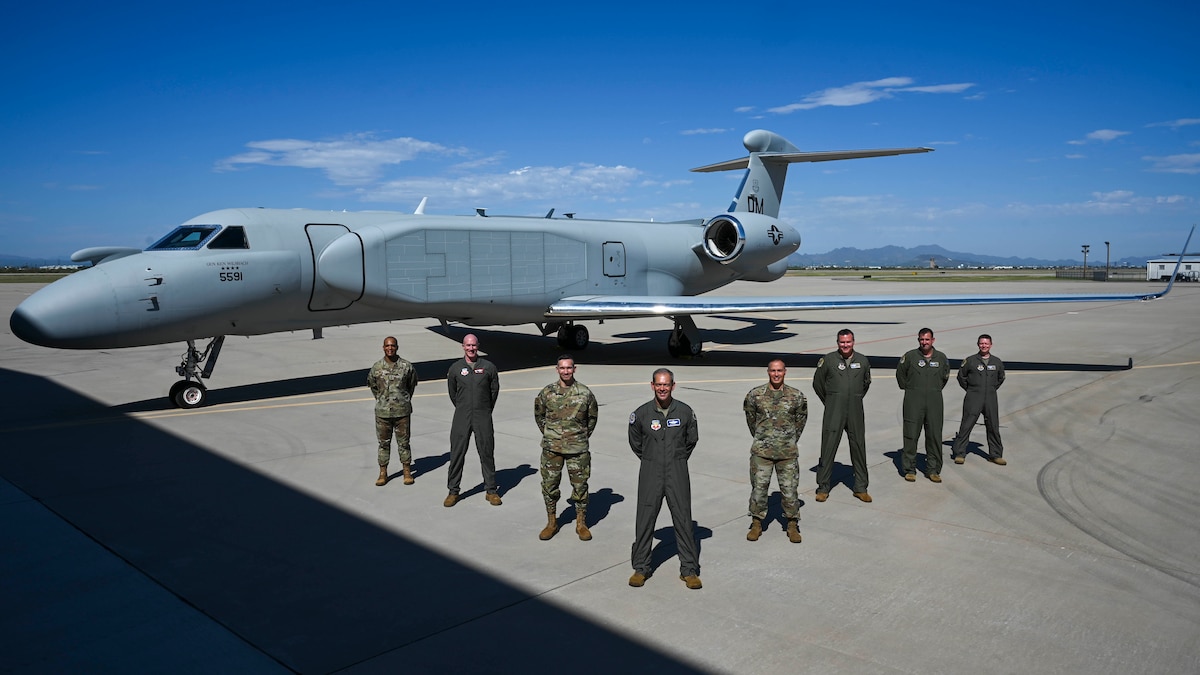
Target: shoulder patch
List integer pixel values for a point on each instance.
(632, 417)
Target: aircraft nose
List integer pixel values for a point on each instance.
(27, 328)
(73, 312)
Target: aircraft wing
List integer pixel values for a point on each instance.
(629, 306)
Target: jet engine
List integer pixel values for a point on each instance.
(748, 242)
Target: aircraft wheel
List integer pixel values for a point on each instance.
(175, 391)
(679, 346)
(188, 394)
(577, 337)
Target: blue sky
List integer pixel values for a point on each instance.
(1054, 124)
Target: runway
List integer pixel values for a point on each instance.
(249, 536)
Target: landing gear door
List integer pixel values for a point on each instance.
(323, 298)
(614, 259)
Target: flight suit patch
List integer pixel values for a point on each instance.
(673, 422)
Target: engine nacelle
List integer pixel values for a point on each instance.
(748, 242)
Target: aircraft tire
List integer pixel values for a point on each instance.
(679, 346)
(578, 337)
(188, 395)
(174, 391)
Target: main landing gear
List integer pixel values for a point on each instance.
(684, 341)
(190, 392)
(569, 335)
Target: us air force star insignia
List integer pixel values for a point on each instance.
(632, 417)
(655, 425)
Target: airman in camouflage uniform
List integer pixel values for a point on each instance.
(776, 414)
(392, 381)
(566, 414)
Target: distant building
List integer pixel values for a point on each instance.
(1161, 268)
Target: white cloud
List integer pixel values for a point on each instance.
(1106, 135)
(1189, 164)
(694, 132)
(1175, 124)
(356, 159)
(860, 93)
(527, 183)
(744, 109)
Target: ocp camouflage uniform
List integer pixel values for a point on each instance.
(566, 417)
(393, 384)
(922, 379)
(776, 419)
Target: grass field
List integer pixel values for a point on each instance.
(30, 277)
(930, 275)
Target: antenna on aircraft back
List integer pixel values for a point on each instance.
(550, 213)
(420, 211)
(481, 212)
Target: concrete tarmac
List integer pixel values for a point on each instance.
(249, 536)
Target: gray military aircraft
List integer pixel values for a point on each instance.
(254, 271)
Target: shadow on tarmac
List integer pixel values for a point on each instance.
(313, 587)
(516, 351)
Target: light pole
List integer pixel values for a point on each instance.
(1085, 250)
(1107, 259)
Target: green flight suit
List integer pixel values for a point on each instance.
(841, 385)
(922, 379)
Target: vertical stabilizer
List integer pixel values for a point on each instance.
(762, 186)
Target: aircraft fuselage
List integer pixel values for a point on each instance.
(301, 269)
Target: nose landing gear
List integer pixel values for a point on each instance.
(190, 392)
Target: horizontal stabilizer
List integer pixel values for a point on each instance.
(794, 157)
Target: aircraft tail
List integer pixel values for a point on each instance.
(761, 189)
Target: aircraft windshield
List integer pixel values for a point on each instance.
(184, 237)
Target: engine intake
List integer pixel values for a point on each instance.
(748, 242)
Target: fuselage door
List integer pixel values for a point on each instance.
(614, 259)
(323, 298)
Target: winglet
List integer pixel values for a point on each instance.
(1175, 272)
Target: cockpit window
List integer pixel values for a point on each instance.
(233, 236)
(185, 237)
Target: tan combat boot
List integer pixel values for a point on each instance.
(408, 477)
(793, 531)
(551, 528)
(755, 530)
(383, 476)
(581, 527)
